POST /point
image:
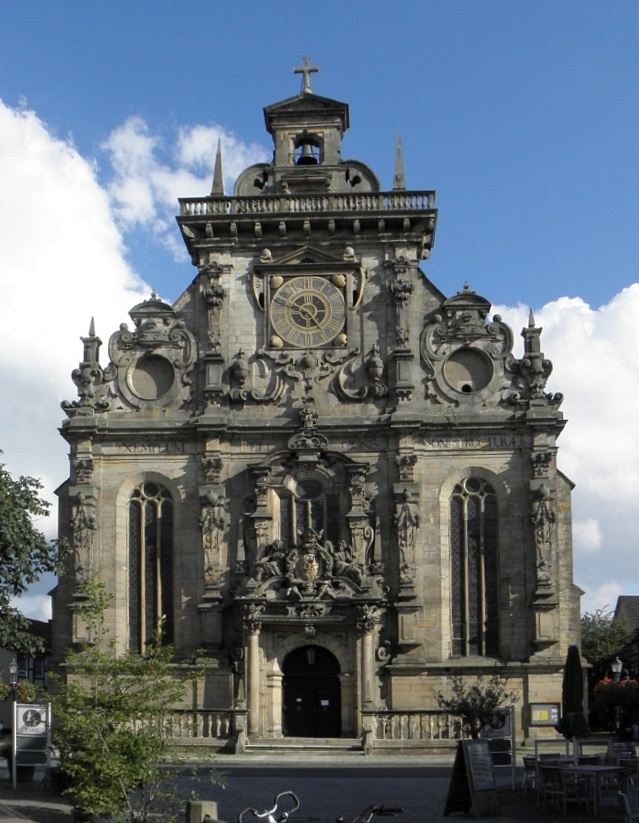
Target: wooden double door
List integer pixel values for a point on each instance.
(312, 696)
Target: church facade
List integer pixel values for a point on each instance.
(335, 480)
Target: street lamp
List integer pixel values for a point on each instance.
(617, 668)
(13, 677)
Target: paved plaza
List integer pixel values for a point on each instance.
(325, 792)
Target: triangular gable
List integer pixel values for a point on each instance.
(307, 254)
(305, 107)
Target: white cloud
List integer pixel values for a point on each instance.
(35, 604)
(149, 175)
(61, 262)
(596, 368)
(602, 597)
(587, 534)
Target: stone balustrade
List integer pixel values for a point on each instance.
(413, 724)
(199, 724)
(389, 202)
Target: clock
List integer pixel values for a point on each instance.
(306, 311)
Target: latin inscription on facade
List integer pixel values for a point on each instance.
(493, 441)
(163, 447)
(488, 442)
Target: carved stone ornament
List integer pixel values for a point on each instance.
(239, 375)
(533, 370)
(253, 614)
(464, 356)
(212, 290)
(308, 440)
(369, 617)
(406, 465)
(83, 469)
(212, 468)
(364, 382)
(541, 462)
(402, 286)
(83, 527)
(276, 369)
(401, 291)
(212, 524)
(153, 361)
(313, 568)
(407, 524)
(543, 520)
(92, 381)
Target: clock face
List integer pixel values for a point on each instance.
(307, 311)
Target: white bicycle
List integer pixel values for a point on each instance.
(287, 802)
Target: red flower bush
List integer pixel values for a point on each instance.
(616, 700)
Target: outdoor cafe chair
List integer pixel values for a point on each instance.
(620, 748)
(558, 789)
(530, 773)
(630, 811)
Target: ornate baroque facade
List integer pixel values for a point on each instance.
(336, 480)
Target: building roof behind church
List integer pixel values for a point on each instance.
(627, 612)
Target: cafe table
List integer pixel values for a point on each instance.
(594, 774)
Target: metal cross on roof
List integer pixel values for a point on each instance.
(306, 70)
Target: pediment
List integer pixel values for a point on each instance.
(307, 254)
(305, 106)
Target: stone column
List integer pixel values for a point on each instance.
(368, 619)
(254, 626)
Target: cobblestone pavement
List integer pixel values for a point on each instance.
(324, 792)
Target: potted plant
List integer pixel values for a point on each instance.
(475, 702)
(26, 691)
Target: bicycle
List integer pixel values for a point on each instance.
(276, 815)
(370, 811)
(272, 815)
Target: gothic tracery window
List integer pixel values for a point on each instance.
(474, 569)
(150, 565)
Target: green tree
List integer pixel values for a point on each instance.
(112, 720)
(602, 639)
(475, 701)
(26, 555)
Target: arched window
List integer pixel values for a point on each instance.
(150, 565)
(474, 569)
(308, 506)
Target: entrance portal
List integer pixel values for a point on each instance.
(311, 693)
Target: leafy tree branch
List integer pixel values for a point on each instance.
(26, 555)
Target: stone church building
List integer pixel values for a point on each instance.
(337, 481)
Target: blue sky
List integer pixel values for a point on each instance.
(523, 116)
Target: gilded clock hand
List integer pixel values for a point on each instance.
(308, 314)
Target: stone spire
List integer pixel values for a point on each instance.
(399, 181)
(218, 177)
(92, 344)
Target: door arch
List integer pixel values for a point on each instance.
(312, 699)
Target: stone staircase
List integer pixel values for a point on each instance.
(294, 746)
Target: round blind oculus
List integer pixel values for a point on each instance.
(151, 377)
(468, 371)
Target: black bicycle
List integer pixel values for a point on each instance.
(371, 811)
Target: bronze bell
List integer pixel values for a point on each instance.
(307, 158)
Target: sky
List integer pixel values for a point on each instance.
(523, 116)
